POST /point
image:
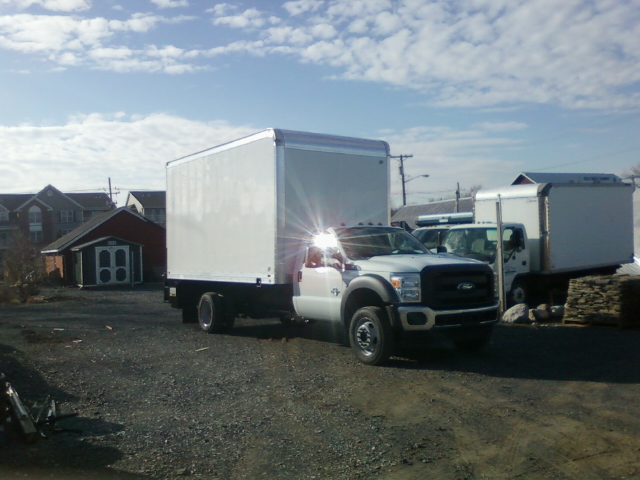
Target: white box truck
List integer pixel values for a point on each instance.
(294, 225)
(552, 232)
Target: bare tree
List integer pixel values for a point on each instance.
(633, 174)
(23, 267)
(473, 190)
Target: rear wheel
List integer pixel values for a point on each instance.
(370, 336)
(211, 314)
(519, 293)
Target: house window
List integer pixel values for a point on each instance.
(4, 216)
(156, 215)
(35, 216)
(35, 224)
(67, 216)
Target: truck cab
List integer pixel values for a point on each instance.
(349, 272)
(480, 242)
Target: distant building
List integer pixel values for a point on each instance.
(151, 205)
(47, 215)
(410, 213)
(545, 177)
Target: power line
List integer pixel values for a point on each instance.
(591, 159)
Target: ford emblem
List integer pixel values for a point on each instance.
(466, 287)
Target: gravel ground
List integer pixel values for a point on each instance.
(159, 399)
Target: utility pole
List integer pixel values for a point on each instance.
(404, 192)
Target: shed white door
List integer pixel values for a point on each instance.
(112, 265)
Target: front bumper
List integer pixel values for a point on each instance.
(422, 318)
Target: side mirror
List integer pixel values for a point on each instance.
(441, 249)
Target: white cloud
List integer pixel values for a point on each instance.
(480, 53)
(53, 5)
(302, 6)
(289, 35)
(500, 126)
(324, 31)
(222, 9)
(133, 150)
(71, 41)
(90, 149)
(464, 53)
(250, 18)
(170, 3)
(450, 157)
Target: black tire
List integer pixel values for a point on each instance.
(370, 336)
(211, 314)
(519, 293)
(190, 315)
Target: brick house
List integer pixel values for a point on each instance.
(47, 215)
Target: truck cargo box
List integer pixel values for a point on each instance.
(571, 226)
(233, 209)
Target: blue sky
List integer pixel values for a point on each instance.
(476, 90)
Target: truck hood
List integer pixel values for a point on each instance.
(410, 263)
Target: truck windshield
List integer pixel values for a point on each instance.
(361, 243)
(431, 237)
(478, 243)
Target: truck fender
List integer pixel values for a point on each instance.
(367, 290)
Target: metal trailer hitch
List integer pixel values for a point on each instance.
(12, 408)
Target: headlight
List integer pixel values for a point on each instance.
(407, 285)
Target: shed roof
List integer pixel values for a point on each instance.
(67, 240)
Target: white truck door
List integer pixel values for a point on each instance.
(320, 287)
(516, 254)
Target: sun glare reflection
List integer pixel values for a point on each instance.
(325, 240)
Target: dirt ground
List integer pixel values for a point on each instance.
(159, 399)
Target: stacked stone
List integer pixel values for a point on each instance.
(607, 300)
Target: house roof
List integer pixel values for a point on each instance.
(92, 201)
(86, 201)
(155, 199)
(13, 201)
(75, 235)
(410, 213)
(546, 177)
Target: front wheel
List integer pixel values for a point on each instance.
(370, 336)
(519, 293)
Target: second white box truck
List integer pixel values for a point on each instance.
(293, 225)
(552, 232)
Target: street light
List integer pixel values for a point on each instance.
(404, 191)
(417, 176)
